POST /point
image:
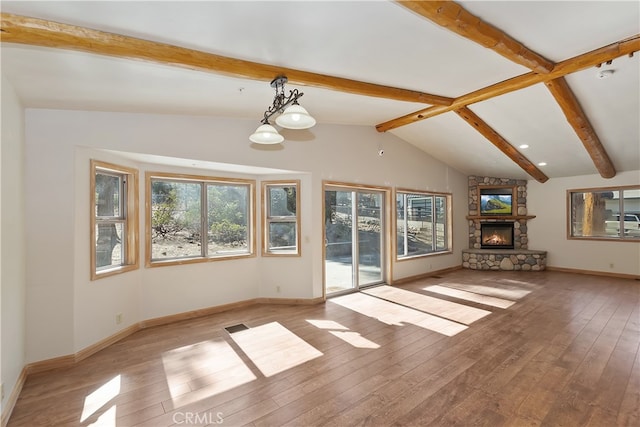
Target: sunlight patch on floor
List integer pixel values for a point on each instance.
(395, 314)
(328, 324)
(449, 310)
(107, 419)
(273, 348)
(100, 397)
(209, 367)
(500, 291)
(470, 296)
(355, 339)
(342, 332)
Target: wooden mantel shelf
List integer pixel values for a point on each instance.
(504, 217)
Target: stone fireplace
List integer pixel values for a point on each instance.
(496, 235)
(499, 241)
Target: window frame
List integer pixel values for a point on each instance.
(268, 219)
(621, 213)
(129, 205)
(448, 228)
(203, 181)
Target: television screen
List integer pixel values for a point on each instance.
(495, 204)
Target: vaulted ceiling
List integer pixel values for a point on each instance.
(470, 83)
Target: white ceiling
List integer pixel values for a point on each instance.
(371, 41)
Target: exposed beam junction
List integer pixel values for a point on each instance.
(572, 65)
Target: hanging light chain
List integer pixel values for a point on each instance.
(280, 102)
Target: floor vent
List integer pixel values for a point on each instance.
(236, 328)
(437, 277)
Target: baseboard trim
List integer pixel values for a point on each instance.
(594, 273)
(193, 314)
(291, 301)
(102, 344)
(50, 364)
(70, 360)
(424, 275)
(13, 397)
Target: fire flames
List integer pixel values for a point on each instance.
(495, 239)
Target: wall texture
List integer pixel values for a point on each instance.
(68, 312)
(12, 253)
(548, 231)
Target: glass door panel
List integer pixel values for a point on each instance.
(369, 238)
(338, 241)
(354, 244)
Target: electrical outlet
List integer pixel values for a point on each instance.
(278, 289)
(611, 265)
(118, 318)
(1, 391)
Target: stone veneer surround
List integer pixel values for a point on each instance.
(520, 238)
(519, 258)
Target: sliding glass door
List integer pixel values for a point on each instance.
(354, 246)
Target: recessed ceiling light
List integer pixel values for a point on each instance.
(523, 146)
(542, 164)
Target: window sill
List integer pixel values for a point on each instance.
(198, 260)
(430, 254)
(96, 275)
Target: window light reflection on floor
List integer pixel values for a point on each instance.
(100, 397)
(342, 332)
(460, 313)
(470, 296)
(496, 290)
(355, 339)
(208, 368)
(396, 314)
(273, 348)
(107, 419)
(328, 324)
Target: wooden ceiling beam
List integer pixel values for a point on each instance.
(39, 32)
(455, 18)
(502, 144)
(581, 125)
(572, 65)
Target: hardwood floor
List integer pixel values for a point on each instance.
(466, 348)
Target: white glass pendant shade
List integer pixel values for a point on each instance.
(266, 134)
(295, 117)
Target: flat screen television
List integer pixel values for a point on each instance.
(495, 202)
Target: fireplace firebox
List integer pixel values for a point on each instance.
(496, 235)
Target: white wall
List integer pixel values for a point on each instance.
(68, 312)
(548, 231)
(12, 251)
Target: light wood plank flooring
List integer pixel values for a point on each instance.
(465, 348)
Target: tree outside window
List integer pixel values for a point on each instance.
(198, 218)
(611, 213)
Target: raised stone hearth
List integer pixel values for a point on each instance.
(504, 259)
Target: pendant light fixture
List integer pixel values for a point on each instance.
(292, 115)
